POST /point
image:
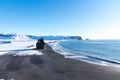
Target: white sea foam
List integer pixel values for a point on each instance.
(59, 49)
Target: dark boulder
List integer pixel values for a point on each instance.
(40, 44)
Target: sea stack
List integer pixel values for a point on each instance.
(79, 38)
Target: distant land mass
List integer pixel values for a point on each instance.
(11, 36)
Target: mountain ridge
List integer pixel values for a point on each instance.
(11, 36)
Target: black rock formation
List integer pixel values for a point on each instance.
(79, 38)
(40, 44)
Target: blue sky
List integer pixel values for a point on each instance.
(94, 19)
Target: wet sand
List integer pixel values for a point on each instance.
(52, 66)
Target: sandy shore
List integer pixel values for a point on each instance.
(52, 66)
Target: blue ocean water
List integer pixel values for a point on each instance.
(95, 51)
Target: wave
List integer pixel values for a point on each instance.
(87, 58)
(58, 48)
(110, 61)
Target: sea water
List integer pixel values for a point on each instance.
(104, 52)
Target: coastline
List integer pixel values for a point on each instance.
(53, 66)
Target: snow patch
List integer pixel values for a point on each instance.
(19, 48)
(20, 37)
(24, 53)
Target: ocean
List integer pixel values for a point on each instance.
(102, 52)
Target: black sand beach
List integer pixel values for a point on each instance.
(52, 66)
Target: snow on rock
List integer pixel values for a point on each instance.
(20, 37)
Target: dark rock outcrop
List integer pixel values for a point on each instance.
(79, 38)
(40, 44)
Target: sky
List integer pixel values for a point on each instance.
(93, 19)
